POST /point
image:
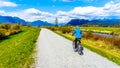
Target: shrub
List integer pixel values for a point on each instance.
(114, 41)
(6, 26)
(14, 31)
(87, 34)
(3, 33)
(8, 29)
(112, 33)
(28, 25)
(15, 27)
(95, 37)
(53, 28)
(65, 29)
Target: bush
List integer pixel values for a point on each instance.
(3, 33)
(95, 37)
(28, 25)
(53, 28)
(15, 27)
(114, 41)
(14, 31)
(8, 29)
(112, 33)
(87, 34)
(6, 26)
(65, 29)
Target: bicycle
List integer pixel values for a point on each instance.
(79, 47)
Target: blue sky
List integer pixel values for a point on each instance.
(65, 10)
(54, 5)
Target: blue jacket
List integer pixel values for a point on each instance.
(77, 32)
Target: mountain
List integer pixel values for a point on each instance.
(75, 22)
(101, 22)
(105, 22)
(12, 20)
(40, 23)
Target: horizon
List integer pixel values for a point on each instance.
(64, 10)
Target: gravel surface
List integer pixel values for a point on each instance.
(54, 51)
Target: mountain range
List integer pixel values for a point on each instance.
(101, 22)
(73, 22)
(13, 20)
(40, 23)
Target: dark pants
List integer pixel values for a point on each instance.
(77, 40)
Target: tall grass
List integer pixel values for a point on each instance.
(16, 50)
(8, 29)
(63, 29)
(109, 30)
(111, 41)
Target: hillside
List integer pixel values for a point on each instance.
(101, 22)
(13, 20)
(40, 23)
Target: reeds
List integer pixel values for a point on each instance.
(114, 41)
(8, 29)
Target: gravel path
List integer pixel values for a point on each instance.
(54, 51)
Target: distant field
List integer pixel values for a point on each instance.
(102, 29)
(16, 50)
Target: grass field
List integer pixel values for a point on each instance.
(16, 50)
(102, 29)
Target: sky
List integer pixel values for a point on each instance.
(64, 10)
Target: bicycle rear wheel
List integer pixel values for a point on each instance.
(75, 49)
(80, 49)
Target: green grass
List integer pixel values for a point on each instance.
(108, 53)
(16, 51)
(102, 29)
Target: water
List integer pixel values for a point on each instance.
(106, 35)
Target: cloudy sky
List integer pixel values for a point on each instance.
(65, 10)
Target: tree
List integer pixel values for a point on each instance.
(56, 21)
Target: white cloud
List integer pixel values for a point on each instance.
(32, 14)
(4, 3)
(90, 12)
(112, 8)
(109, 9)
(2, 12)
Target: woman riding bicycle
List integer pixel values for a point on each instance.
(78, 35)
